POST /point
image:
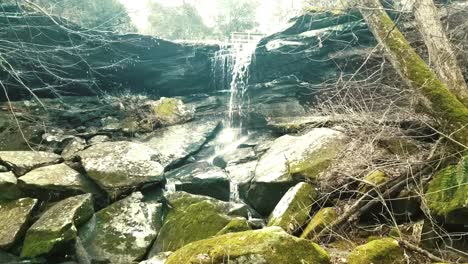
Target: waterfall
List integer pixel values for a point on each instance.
(231, 74)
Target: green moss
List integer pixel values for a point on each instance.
(447, 194)
(294, 208)
(189, 220)
(42, 242)
(320, 221)
(236, 225)
(444, 106)
(270, 245)
(382, 251)
(374, 178)
(166, 108)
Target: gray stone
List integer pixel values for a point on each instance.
(200, 178)
(289, 160)
(9, 186)
(57, 227)
(175, 143)
(236, 156)
(98, 139)
(55, 182)
(14, 219)
(122, 232)
(120, 166)
(3, 169)
(21, 162)
(74, 146)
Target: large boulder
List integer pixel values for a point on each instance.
(447, 194)
(21, 162)
(57, 227)
(382, 251)
(14, 220)
(200, 178)
(175, 143)
(55, 182)
(122, 232)
(269, 245)
(294, 208)
(120, 166)
(191, 218)
(291, 159)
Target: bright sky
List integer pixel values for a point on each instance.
(208, 10)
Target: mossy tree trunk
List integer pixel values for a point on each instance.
(443, 105)
(442, 57)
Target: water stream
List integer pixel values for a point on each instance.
(231, 73)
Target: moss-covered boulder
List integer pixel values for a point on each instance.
(21, 162)
(9, 189)
(269, 245)
(237, 224)
(192, 218)
(447, 194)
(294, 208)
(122, 232)
(56, 182)
(319, 222)
(14, 220)
(373, 179)
(120, 166)
(171, 111)
(289, 160)
(382, 251)
(57, 227)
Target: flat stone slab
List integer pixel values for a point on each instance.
(120, 166)
(175, 143)
(21, 162)
(56, 182)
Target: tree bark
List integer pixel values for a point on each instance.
(441, 55)
(443, 105)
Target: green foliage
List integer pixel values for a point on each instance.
(182, 22)
(109, 15)
(236, 16)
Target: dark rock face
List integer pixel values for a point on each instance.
(87, 62)
(311, 48)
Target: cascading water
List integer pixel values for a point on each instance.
(231, 73)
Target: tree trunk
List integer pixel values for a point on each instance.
(441, 55)
(444, 106)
